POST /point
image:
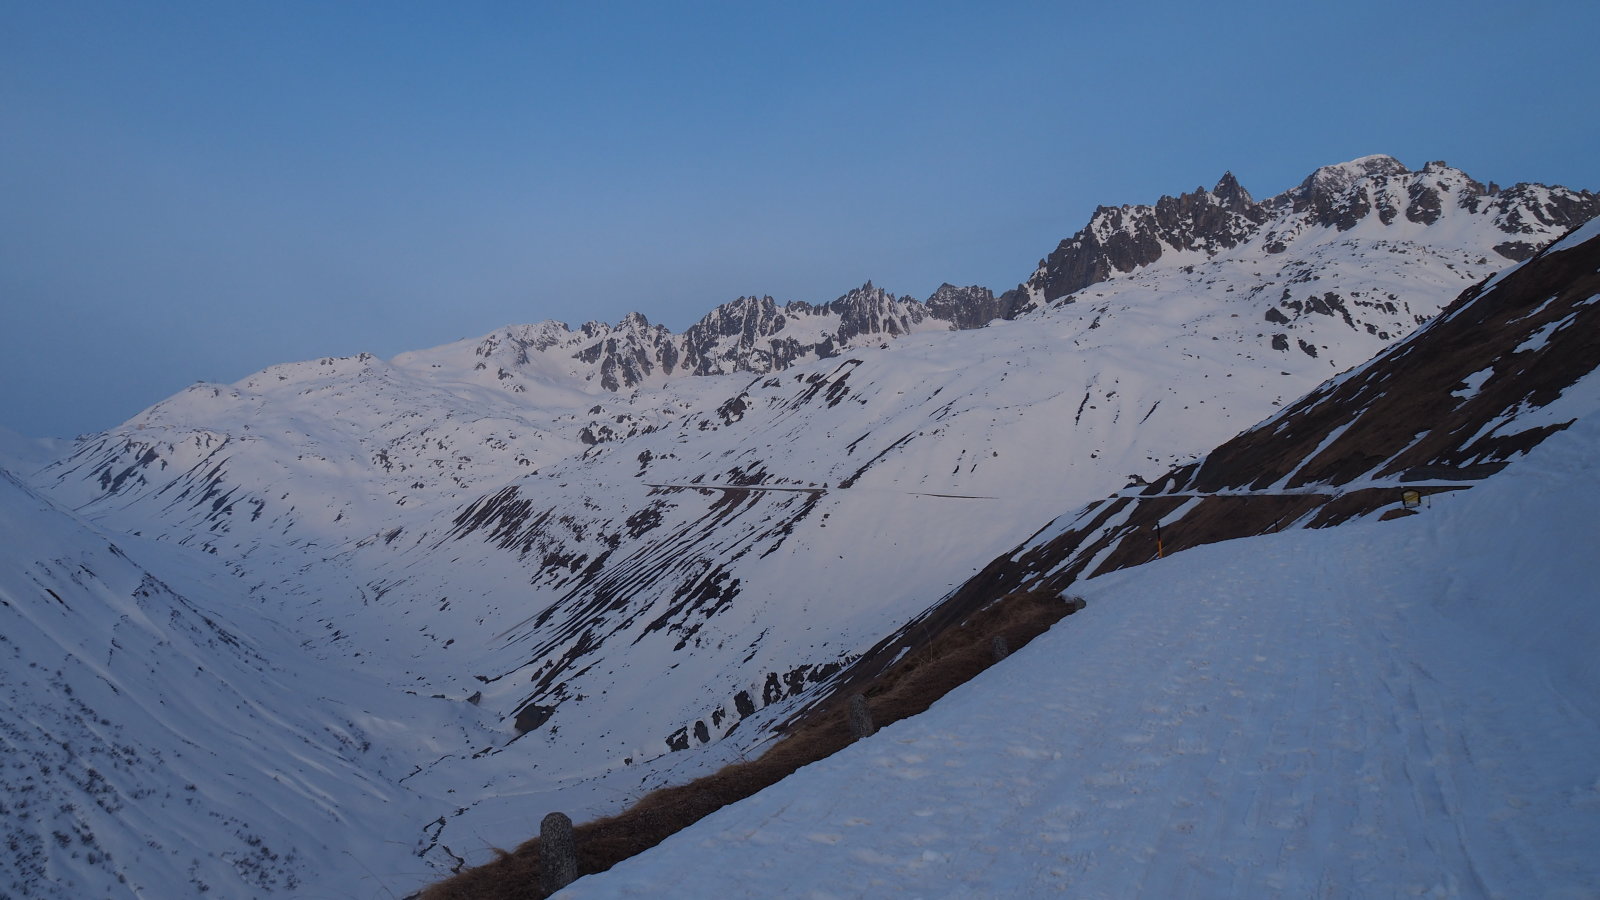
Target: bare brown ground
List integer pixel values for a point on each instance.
(950, 658)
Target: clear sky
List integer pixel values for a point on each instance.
(193, 191)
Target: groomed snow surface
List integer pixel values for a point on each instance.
(1386, 709)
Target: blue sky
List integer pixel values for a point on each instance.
(193, 191)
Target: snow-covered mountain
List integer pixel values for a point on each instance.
(1509, 363)
(1390, 705)
(1403, 708)
(614, 543)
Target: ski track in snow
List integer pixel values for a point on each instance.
(1299, 715)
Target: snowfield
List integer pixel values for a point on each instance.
(1403, 708)
(158, 746)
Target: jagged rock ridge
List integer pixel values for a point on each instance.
(1124, 238)
(757, 335)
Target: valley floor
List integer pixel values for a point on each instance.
(1405, 708)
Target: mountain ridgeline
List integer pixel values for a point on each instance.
(758, 335)
(1124, 238)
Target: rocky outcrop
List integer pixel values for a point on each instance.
(971, 307)
(631, 352)
(757, 335)
(1336, 196)
(1121, 239)
(1124, 238)
(873, 311)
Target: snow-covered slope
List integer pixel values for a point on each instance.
(621, 543)
(1403, 708)
(156, 746)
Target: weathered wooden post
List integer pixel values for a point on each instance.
(999, 647)
(860, 718)
(558, 853)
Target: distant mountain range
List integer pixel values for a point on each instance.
(603, 559)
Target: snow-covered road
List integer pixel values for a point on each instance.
(1387, 709)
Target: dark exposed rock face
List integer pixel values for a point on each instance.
(1521, 206)
(743, 327)
(1330, 196)
(970, 307)
(1425, 205)
(1124, 238)
(634, 351)
(872, 311)
(747, 335)
(755, 334)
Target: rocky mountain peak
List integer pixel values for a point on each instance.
(546, 334)
(1231, 194)
(972, 306)
(1337, 196)
(629, 353)
(634, 321)
(1340, 177)
(731, 333)
(1124, 238)
(1119, 240)
(873, 310)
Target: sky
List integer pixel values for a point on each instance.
(196, 190)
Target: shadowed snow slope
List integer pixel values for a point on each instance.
(1381, 709)
(156, 747)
